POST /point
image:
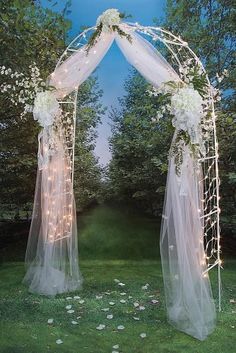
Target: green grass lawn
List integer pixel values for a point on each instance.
(113, 245)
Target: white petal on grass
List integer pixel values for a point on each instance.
(70, 311)
(74, 322)
(136, 318)
(105, 309)
(122, 293)
(115, 352)
(130, 297)
(69, 298)
(111, 303)
(110, 316)
(81, 301)
(50, 321)
(116, 280)
(120, 327)
(78, 317)
(76, 297)
(100, 327)
(122, 301)
(68, 307)
(143, 335)
(116, 346)
(121, 284)
(99, 297)
(145, 287)
(136, 305)
(59, 341)
(154, 301)
(141, 307)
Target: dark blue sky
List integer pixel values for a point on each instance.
(113, 70)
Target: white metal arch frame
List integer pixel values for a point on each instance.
(180, 51)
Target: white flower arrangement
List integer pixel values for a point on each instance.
(46, 108)
(108, 19)
(187, 109)
(189, 103)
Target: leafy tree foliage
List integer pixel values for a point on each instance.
(139, 148)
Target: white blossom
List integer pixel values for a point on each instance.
(109, 18)
(187, 108)
(46, 108)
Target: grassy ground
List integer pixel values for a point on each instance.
(105, 236)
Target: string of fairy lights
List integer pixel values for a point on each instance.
(210, 210)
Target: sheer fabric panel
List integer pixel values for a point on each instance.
(189, 300)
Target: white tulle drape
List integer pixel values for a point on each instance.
(189, 301)
(52, 255)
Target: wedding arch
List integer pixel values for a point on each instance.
(190, 233)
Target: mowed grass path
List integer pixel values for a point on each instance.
(105, 235)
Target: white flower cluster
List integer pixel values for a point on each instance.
(31, 92)
(187, 108)
(22, 89)
(109, 18)
(46, 108)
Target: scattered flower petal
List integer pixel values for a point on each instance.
(143, 335)
(154, 301)
(122, 293)
(59, 341)
(50, 321)
(120, 327)
(68, 307)
(105, 309)
(81, 301)
(115, 352)
(70, 311)
(142, 307)
(122, 301)
(136, 304)
(116, 280)
(78, 317)
(136, 318)
(110, 316)
(76, 297)
(68, 298)
(99, 296)
(111, 303)
(121, 284)
(74, 322)
(145, 286)
(100, 327)
(116, 346)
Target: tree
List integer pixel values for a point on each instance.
(139, 148)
